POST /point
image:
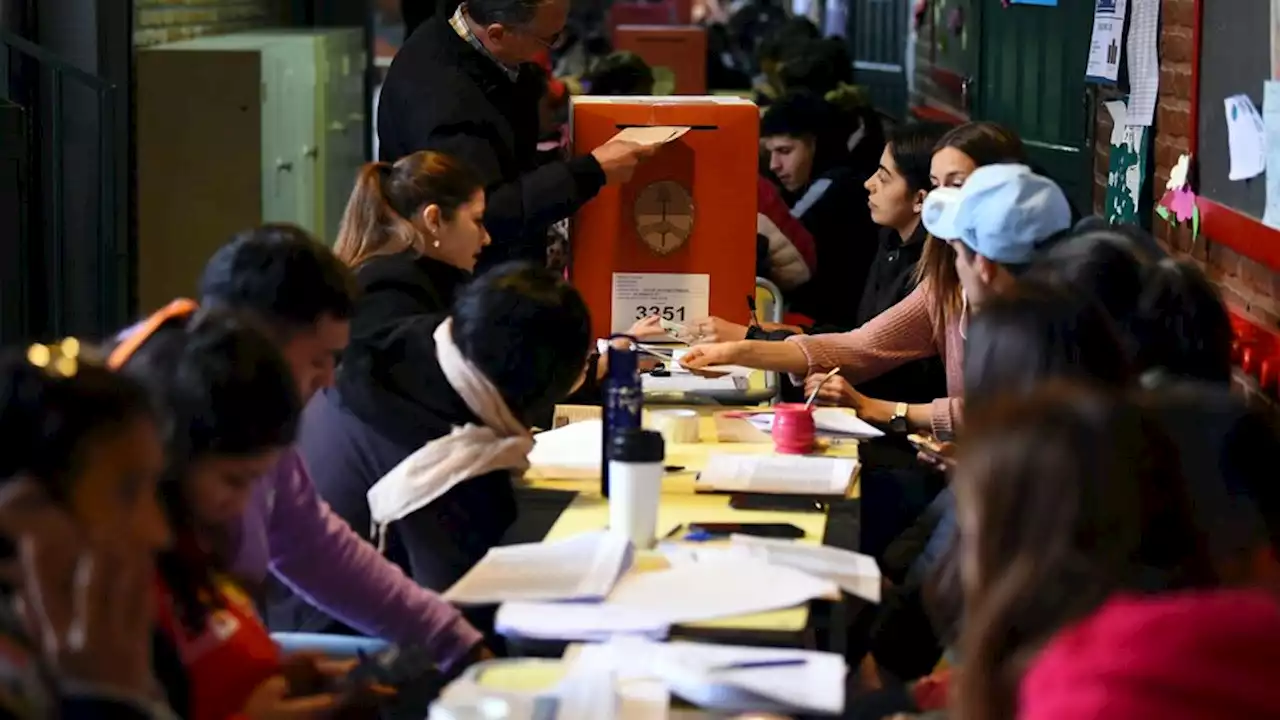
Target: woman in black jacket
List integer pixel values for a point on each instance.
(412, 232)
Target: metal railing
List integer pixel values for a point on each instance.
(35, 78)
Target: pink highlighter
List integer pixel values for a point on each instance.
(793, 428)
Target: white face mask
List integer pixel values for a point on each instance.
(964, 314)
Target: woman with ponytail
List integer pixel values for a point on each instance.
(79, 526)
(430, 418)
(230, 407)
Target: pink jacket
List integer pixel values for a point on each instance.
(903, 333)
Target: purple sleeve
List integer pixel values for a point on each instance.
(321, 558)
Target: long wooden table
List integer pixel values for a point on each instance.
(681, 505)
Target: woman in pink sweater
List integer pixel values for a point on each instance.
(993, 227)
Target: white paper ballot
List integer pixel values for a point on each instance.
(781, 474)
(584, 567)
(855, 573)
(730, 678)
(1246, 138)
(653, 135)
(577, 621)
(831, 421)
(728, 588)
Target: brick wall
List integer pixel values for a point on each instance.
(160, 21)
(1246, 285)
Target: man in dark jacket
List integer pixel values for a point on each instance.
(464, 85)
(808, 157)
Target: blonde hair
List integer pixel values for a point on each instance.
(383, 215)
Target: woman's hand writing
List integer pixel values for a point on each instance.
(836, 391)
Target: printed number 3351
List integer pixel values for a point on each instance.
(666, 312)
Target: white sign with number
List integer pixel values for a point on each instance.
(677, 297)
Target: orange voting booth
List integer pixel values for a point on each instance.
(677, 51)
(679, 239)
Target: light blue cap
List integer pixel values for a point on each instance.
(1003, 212)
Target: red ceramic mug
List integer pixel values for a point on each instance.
(793, 428)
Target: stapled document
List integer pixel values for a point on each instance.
(584, 567)
(779, 474)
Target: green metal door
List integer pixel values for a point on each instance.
(1030, 78)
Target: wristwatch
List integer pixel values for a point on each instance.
(898, 420)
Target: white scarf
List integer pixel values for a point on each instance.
(468, 451)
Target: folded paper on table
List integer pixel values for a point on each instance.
(705, 674)
(828, 421)
(576, 445)
(652, 135)
(711, 590)
(855, 573)
(584, 567)
(777, 474)
(576, 621)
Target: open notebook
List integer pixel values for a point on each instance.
(777, 474)
(583, 567)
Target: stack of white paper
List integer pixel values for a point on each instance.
(779, 474)
(730, 678)
(828, 421)
(575, 446)
(576, 621)
(584, 567)
(855, 573)
(648, 603)
(686, 382)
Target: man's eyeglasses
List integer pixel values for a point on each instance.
(555, 42)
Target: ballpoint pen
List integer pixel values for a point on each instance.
(754, 664)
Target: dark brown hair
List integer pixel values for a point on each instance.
(986, 143)
(384, 213)
(1065, 496)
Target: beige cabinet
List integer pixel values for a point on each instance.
(236, 131)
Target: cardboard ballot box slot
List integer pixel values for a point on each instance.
(679, 239)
